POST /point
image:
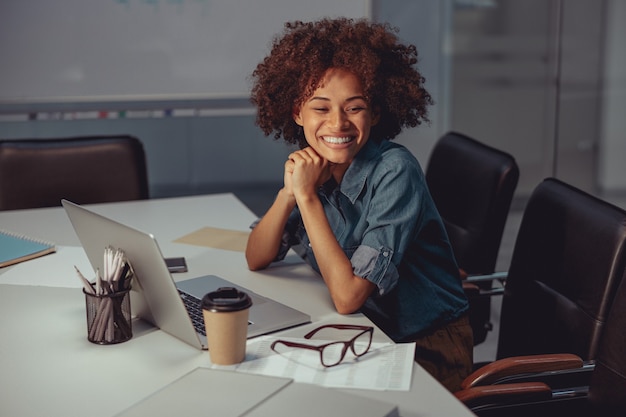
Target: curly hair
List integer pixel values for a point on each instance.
(302, 54)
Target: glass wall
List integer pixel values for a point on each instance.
(544, 80)
(526, 78)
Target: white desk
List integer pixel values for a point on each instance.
(47, 366)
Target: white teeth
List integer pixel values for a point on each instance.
(336, 140)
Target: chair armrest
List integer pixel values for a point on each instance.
(470, 288)
(562, 379)
(505, 393)
(496, 276)
(516, 365)
(470, 283)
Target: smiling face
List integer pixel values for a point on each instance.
(337, 118)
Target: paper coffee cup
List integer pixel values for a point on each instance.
(225, 314)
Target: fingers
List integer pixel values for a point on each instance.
(306, 155)
(289, 165)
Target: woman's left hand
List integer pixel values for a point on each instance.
(310, 171)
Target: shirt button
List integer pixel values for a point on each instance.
(385, 254)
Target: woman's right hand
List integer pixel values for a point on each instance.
(288, 179)
(307, 172)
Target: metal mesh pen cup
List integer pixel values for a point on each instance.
(108, 317)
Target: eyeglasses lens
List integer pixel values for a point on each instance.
(333, 353)
(362, 343)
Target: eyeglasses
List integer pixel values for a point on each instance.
(332, 353)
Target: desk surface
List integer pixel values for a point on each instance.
(47, 366)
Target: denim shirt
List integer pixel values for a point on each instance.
(386, 222)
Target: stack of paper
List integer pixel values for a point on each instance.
(387, 366)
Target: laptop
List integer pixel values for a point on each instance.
(155, 296)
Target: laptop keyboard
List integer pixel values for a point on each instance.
(193, 306)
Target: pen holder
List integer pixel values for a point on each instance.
(108, 317)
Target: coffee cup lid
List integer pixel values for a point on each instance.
(226, 299)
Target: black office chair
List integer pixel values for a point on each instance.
(472, 185)
(568, 260)
(92, 169)
(604, 396)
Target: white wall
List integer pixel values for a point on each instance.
(110, 49)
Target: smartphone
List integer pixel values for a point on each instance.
(177, 264)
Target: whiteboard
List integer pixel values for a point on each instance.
(112, 50)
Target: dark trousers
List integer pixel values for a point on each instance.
(447, 353)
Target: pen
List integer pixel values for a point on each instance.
(124, 275)
(86, 284)
(99, 290)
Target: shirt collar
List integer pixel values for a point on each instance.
(355, 178)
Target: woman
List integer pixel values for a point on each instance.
(358, 204)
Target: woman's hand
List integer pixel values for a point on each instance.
(305, 172)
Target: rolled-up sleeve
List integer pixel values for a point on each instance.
(391, 214)
(375, 265)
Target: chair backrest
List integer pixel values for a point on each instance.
(92, 169)
(568, 259)
(472, 185)
(608, 381)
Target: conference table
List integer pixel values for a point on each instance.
(48, 367)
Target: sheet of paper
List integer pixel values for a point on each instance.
(53, 270)
(387, 366)
(213, 237)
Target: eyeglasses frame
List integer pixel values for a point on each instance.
(346, 344)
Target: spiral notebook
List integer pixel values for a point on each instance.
(15, 248)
